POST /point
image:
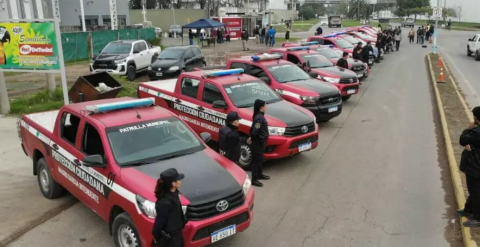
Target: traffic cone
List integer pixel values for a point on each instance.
(439, 61)
(440, 78)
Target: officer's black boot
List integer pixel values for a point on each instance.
(264, 177)
(462, 212)
(257, 183)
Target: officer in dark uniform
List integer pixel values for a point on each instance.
(229, 140)
(170, 219)
(343, 62)
(258, 139)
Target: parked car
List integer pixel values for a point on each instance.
(175, 30)
(175, 60)
(334, 21)
(473, 46)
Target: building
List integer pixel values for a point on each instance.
(22, 9)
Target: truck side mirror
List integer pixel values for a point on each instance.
(219, 104)
(95, 160)
(265, 79)
(206, 137)
(470, 39)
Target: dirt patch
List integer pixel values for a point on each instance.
(457, 121)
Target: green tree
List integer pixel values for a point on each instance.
(449, 12)
(407, 7)
(307, 13)
(319, 8)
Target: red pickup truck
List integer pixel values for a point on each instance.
(109, 154)
(332, 39)
(345, 80)
(204, 98)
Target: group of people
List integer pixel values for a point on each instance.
(361, 52)
(423, 34)
(266, 35)
(389, 39)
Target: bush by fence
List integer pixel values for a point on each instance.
(77, 46)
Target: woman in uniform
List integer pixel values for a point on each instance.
(170, 219)
(258, 139)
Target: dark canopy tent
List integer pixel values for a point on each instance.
(203, 23)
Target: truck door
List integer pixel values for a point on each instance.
(263, 75)
(216, 117)
(472, 43)
(146, 53)
(138, 56)
(186, 104)
(189, 59)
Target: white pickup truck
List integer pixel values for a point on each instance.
(125, 58)
(473, 46)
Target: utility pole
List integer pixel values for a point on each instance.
(144, 12)
(434, 47)
(83, 16)
(291, 24)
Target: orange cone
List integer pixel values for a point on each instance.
(440, 78)
(440, 61)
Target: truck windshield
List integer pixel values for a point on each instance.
(117, 48)
(364, 36)
(344, 44)
(171, 54)
(287, 73)
(330, 53)
(151, 141)
(244, 94)
(354, 41)
(317, 60)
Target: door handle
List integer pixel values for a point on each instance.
(200, 108)
(178, 101)
(55, 146)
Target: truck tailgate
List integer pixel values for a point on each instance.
(44, 119)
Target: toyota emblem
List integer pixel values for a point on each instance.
(222, 205)
(159, 69)
(351, 80)
(305, 129)
(331, 99)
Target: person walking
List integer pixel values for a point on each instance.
(343, 62)
(262, 35)
(398, 38)
(170, 219)
(229, 140)
(190, 36)
(271, 34)
(470, 165)
(258, 139)
(411, 35)
(245, 39)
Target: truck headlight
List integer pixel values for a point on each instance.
(120, 61)
(276, 131)
(331, 79)
(310, 99)
(247, 185)
(174, 68)
(92, 61)
(147, 207)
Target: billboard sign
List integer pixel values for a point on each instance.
(28, 46)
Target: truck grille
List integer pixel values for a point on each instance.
(329, 100)
(104, 65)
(300, 130)
(348, 80)
(350, 87)
(295, 144)
(207, 210)
(206, 231)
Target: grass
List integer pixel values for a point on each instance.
(279, 40)
(350, 23)
(298, 26)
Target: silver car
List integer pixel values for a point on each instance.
(408, 22)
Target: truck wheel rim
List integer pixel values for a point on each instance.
(127, 237)
(44, 179)
(246, 155)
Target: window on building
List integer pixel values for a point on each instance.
(107, 21)
(91, 22)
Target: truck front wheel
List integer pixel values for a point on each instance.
(49, 187)
(469, 53)
(131, 73)
(124, 232)
(477, 56)
(245, 154)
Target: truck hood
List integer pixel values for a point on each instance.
(110, 57)
(335, 72)
(206, 180)
(281, 114)
(306, 87)
(353, 62)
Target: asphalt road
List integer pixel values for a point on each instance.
(374, 180)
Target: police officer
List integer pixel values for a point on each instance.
(258, 139)
(170, 220)
(229, 140)
(343, 62)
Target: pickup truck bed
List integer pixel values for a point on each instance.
(166, 85)
(45, 119)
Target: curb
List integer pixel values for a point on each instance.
(36, 222)
(454, 171)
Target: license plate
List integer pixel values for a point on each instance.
(304, 147)
(360, 75)
(223, 233)
(159, 74)
(333, 109)
(370, 62)
(350, 91)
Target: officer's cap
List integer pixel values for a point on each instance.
(476, 112)
(171, 174)
(232, 116)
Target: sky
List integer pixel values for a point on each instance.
(469, 9)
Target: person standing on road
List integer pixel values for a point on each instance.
(356, 54)
(343, 62)
(287, 35)
(419, 32)
(366, 52)
(170, 219)
(411, 35)
(398, 38)
(229, 140)
(422, 35)
(256, 31)
(245, 39)
(470, 165)
(271, 34)
(258, 139)
(267, 37)
(431, 32)
(319, 30)
(262, 35)
(190, 36)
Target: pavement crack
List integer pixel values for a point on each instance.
(365, 215)
(315, 232)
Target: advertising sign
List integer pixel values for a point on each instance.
(28, 46)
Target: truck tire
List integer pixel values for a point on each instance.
(469, 53)
(49, 187)
(131, 72)
(477, 56)
(124, 231)
(245, 154)
(346, 98)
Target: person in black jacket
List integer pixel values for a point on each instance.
(366, 52)
(170, 219)
(342, 62)
(262, 35)
(245, 39)
(357, 52)
(470, 165)
(258, 139)
(229, 140)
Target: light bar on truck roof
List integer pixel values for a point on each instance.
(217, 73)
(120, 105)
(300, 48)
(309, 43)
(340, 33)
(263, 57)
(330, 36)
